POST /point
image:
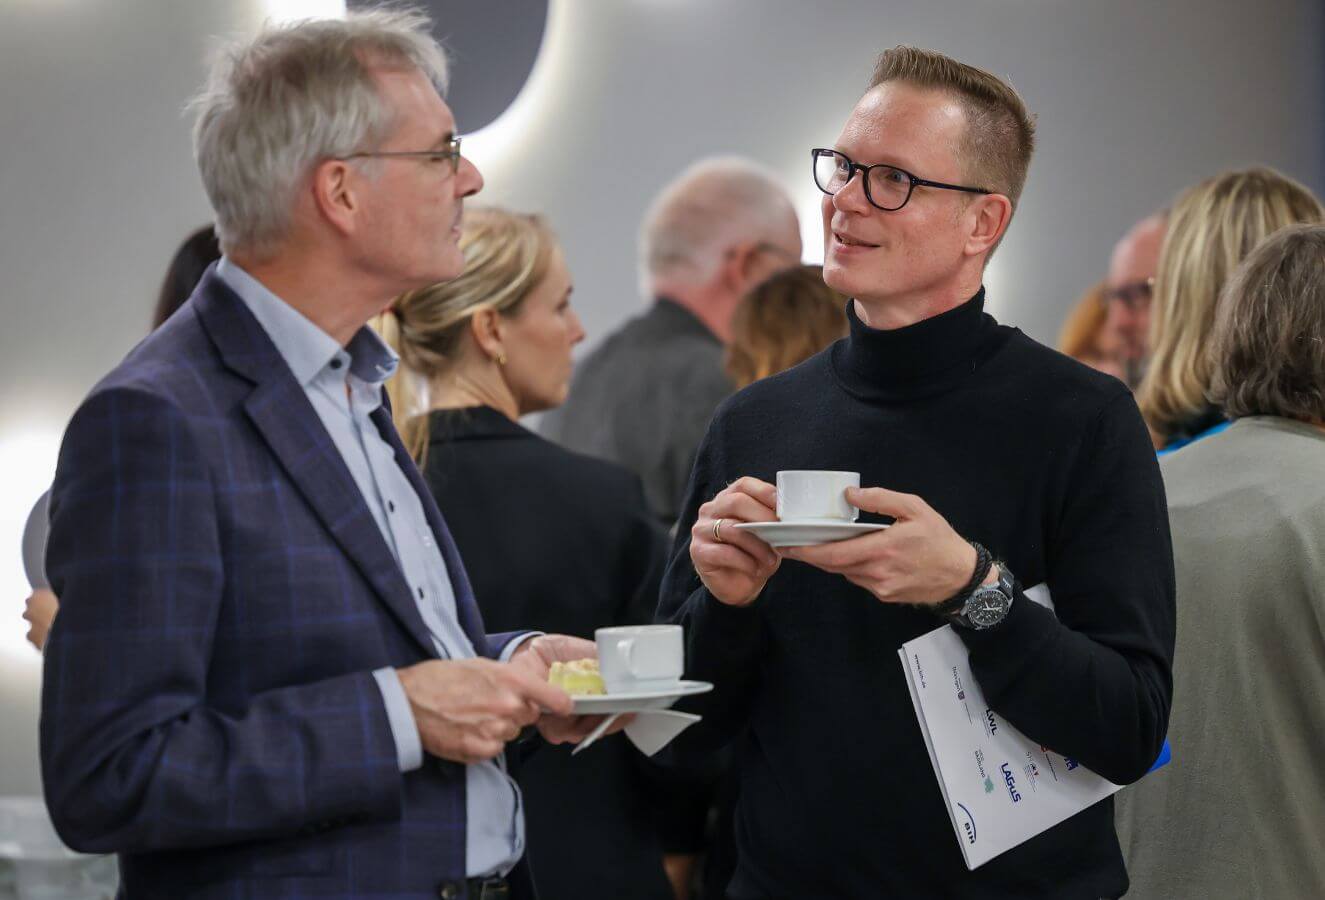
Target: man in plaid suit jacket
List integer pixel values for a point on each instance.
(268, 677)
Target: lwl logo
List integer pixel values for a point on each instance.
(993, 723)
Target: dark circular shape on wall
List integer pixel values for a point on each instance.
(491, 47)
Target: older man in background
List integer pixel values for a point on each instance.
(645, 396)
(269, 677)
(1129, 286)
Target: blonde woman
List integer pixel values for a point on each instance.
(786, 319)
(1212, 227)
(1241, 809)
(555, 540)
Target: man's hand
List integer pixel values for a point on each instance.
(467, 709)
(535, 657)
(920, 559)
(39, 609)
(734, 565)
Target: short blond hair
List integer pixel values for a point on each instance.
(1268, 347)
(999, 140)
(1213, 227)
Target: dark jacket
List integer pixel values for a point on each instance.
(209, 711)
(643, 400)
(563, 543)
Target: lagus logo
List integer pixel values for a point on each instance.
(968, 826)
(1011, 783)
(993, 723)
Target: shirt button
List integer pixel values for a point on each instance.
(336, 364)
(427, 541)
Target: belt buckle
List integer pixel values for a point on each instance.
(494, 889)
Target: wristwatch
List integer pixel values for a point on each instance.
(988, 604)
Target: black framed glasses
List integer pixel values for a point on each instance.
(886, 187)
(1134, 295)
(450, 152)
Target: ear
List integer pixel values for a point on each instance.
(988, 215)
(739, 266)
(486, 325)
(334, 194)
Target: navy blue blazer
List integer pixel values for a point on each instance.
(208, 707)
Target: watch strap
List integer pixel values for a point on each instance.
(984, 560)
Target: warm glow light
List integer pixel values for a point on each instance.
(27, 466)
(807, 200)
(294, 10)
(492, 148)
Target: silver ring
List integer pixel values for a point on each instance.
(717, 536)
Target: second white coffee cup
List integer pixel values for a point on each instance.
(640, 657)
(816, 496)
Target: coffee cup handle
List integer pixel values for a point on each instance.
(626, 647)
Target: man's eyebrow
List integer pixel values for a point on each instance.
(442, 141)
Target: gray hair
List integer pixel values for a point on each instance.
(712, 205)
(277, 104)
(1269, 335)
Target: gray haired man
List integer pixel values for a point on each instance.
(643, 399)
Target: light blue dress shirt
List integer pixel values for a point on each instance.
(494, 839)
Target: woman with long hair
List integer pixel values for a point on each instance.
(1213, 226)
(551, 539)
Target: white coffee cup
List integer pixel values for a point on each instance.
(816, 496)
(640, 657)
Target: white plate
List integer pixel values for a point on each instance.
(806, 534)
(636, 701)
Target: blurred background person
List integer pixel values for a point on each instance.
(198, 251)
(550, 538)
(1239, 810)
(644, 398)
(1087, 337)
(784, 320)
(1212, 227)
(1130, 283)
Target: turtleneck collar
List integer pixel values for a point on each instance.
(917, 360)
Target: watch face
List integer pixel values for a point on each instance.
(988, 607)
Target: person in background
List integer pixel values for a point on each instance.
(1129, 286)
(1212, 227)
(1239, 811)
(551, 539)
(644, 397)
(784, 320)
(198, 251)
(1087, 337)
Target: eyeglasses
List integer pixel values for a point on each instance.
(451, 151)
(886, 187)
(1135, 295)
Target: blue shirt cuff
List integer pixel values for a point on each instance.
(509, 650)
(409, 748)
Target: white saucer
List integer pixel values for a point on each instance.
(806, 534)
(637, 701)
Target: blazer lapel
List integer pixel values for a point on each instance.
(279, 409)
(471, 620)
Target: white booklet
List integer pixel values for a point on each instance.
(1001, 788)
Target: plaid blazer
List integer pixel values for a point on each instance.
(208, 707)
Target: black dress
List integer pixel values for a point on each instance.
(559, 542)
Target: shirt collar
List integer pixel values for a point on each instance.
(307, 349)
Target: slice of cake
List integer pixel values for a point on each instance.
(579, 676)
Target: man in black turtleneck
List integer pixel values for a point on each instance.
(964, 432)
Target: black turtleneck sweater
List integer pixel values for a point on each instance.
(1044, 461)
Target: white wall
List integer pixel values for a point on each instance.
(1135, 98)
